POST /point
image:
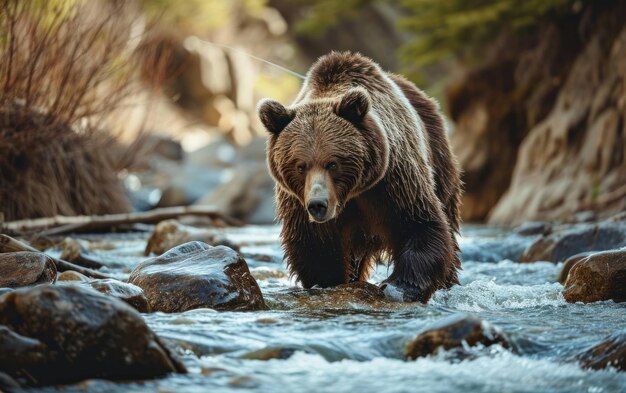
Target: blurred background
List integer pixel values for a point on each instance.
(110, 106)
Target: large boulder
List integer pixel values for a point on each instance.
(64, 334)
(453, 333)
(600, 276)
(566, 241)
(611, 352)
(196, 275)
(20, 269)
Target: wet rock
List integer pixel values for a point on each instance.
(611, 352)
(17, 351)
(269, 353)
(171, 233)
(64, 334)
(454, 332)
(196, 275)
(129, 293)
(71, 249)
(600, 276)
(567, 241)
(71, 275)
(532, 228)
(76, 251)
(20, 269)
(357, 294)
(569, 264)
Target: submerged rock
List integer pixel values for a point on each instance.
(352, 295)
(571, 240)
(269, 353)
(611, 352)
(20, 269)
(171, 233)
(454, 332)
(600, 276)
(532, 228)
(64, 334)
(196, 275)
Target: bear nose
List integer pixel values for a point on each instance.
(317, 208)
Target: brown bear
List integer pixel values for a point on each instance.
(364, 171)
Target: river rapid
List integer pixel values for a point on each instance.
(355, 345)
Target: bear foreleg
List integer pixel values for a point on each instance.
(424, 260)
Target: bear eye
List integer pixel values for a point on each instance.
(301, 168)
(331, 166)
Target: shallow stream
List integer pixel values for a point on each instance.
(358, 346)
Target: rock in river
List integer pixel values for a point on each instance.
(569, 264)
(356, 294)
(131, 294)
(611, 352)
(600, 276)
(171, 233)
(196, 275)
(63, 334)
(567, 241)
(451, 333)
(20, 269)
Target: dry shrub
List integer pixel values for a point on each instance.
(65, 66)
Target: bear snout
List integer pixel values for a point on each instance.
(317, 208)
(320, 200)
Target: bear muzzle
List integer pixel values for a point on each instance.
(320, 201)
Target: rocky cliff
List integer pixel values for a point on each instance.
(540, 126)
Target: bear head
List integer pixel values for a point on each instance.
(325, 151)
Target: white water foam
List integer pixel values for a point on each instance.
(487, 294)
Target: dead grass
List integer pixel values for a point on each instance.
(65, 67)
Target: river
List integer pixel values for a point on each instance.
(358, 346)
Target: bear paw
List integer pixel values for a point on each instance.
(401, 291)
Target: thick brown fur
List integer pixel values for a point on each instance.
(375, 144)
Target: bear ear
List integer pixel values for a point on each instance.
(274, 116)
(353, 105)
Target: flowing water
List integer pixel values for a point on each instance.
(358, 346)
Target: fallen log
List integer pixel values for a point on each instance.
(9, 244)
(59, 225)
